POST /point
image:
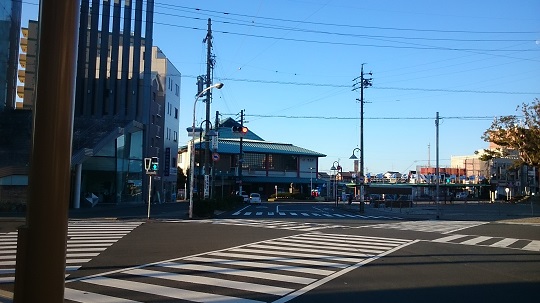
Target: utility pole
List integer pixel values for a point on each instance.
(209, 68)
(213, 173)
(437, 162)
(364, 83)
(241, 155)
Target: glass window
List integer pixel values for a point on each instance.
(136, 145)
(282, 162)
(254, 161)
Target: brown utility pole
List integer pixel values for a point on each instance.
(41, 243)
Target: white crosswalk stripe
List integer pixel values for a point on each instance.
(430, 226)
(523, 244)
(264, 271)
(86, 240)
(287, 225)
(307, 214)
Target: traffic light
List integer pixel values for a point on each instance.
(154, 164)
(240, 129)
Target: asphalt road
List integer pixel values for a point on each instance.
(302, 257)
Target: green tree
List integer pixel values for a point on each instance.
(519, 133)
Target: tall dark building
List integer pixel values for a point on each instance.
(113, 101)
(14, 149)
(10, 27)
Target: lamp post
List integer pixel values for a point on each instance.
(310, 182)
(360, 176)
(335, 169)
(218, 85)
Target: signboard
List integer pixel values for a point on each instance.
(206, 186)
(215, 140)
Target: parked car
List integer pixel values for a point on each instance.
(244, 196)
(255, 198)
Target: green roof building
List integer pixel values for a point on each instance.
(266, 166)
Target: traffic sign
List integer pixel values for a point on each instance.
(215, 157)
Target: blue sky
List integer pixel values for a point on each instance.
(290, 65)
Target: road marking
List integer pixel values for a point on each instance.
(505, 242)
(239, 272)
(170, 292)
(223, 273)
(238, 212)
(85, 240)
(84, 296)
(534, 246)
(337, 274)
(260, 288)
(449, 238)
(445, 227)
(476, 240)
(265, 265)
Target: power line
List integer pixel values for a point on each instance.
(356, 44)
(197, 10)
(374, 87)
(478, 118)
(303, 30)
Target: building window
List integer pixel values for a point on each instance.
(176, 113)
(175, 138)
(282, 162)
(177, 90)
(254, 161)
(173, 162)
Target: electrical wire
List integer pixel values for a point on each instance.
(373, 87)
(198, 10)
(470, 118)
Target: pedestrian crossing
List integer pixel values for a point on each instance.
(430, 226)
(530, 245)
(307, 214)
(286, 225)
(85, 241)
(275, 270)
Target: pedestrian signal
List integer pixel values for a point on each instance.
(154, 164)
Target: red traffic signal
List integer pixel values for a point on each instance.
(240, 129)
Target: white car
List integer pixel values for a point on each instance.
(244, 196)
(255, 198)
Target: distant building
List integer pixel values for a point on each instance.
(267, 166)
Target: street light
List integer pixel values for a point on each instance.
(360, 176)
(218, 85)
(353, 157)
(310, 182)
(335, 169)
